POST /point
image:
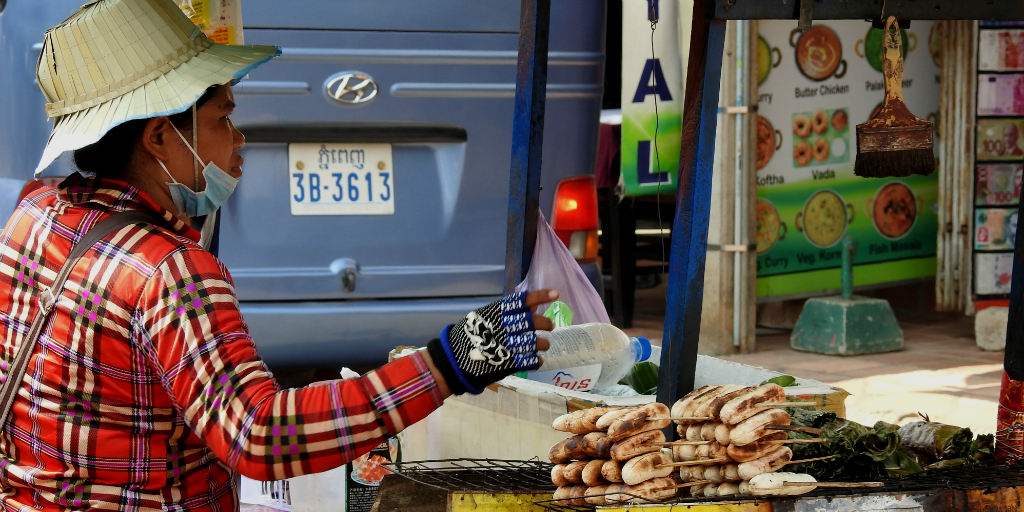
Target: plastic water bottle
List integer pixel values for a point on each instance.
(591, 344)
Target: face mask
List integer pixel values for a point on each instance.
(219, 186)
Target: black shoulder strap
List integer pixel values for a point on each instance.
(48, 298)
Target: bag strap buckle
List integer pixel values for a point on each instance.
(46, 301)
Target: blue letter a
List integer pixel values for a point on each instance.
(652, 68)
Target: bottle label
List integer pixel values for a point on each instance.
(572, 342)
(580, 378)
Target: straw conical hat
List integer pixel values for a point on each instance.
(119, 60)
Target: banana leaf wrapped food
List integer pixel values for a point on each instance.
(930, 442)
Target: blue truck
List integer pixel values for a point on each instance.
(373, 209)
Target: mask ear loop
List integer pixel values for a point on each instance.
(195, 144)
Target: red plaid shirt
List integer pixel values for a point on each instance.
(145, 391)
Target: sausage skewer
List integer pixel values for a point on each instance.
(687, 484)
(796, 428)
(698, 443)
(702, 462)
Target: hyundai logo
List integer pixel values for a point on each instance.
(350, 87)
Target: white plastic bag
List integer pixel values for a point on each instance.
(554, 267)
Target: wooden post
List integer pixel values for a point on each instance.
(693, 202)
(527, 139)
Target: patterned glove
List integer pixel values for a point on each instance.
(488, 345)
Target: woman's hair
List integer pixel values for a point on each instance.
(109, 157)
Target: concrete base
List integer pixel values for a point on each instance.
(990, 328)
(847, 327)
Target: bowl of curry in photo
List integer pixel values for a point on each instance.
(894, 210)
(770, 228)
(824, 218)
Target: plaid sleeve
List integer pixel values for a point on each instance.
(189, 324)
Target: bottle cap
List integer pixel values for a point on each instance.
(645, 348)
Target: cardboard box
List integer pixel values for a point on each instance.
(512, 419)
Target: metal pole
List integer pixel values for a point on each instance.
(527, 139)
(693, 204)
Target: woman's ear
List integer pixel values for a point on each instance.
(156, 140)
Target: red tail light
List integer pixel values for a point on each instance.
(34, 185)
(574, 216)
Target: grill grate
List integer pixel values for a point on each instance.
(990, 477)
(479, 475)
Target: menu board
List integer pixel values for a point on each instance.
(815, 87)
(999, 153)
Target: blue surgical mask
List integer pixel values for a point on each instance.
(219, 186)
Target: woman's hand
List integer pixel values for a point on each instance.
(490, 343)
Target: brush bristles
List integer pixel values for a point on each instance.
(894, 164)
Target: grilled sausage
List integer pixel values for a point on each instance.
(697, 491)
(609, 417)
(684, 402)
(757, 449)
(756, 426)
(745, 405)
(562, 494)
(714, 473)
(645, 467)
(744, 488)
(723, 434)
(716, 451)
(637, 421)
(703, 407)
(702, 452)
(693, 432)
(594, 495)
(768, 464)
(587, 421)
(698, 407)
(714, 409)
(592, 473)
(728, 489)
(731, 472)
(652, 490)
(773, 484)
(684, 453)
(707, 431)
(577, 494)
(566, 450)
(561, 423)
(596, 445)
(611, 470)
(557, 477)
(638, 444)
(573, 471)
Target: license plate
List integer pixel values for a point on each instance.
(341, 179)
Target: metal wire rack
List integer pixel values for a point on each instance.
(478, 475)
(990, 476)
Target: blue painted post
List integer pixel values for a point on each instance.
(527, 139)
(693, 209)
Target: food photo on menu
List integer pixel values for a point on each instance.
(814, 88)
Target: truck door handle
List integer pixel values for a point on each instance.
(348, 278)
(347, 268)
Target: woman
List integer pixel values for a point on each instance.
(144, 390)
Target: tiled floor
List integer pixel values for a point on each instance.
(941, 372)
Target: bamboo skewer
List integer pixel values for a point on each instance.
(681, 443)
(680, 486)
(768, 405)
(701, 462)
(801, 441)
(834, 484)
(801, 461)
(682, 418)
(797, 428)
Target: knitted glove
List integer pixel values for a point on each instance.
(488, 345)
